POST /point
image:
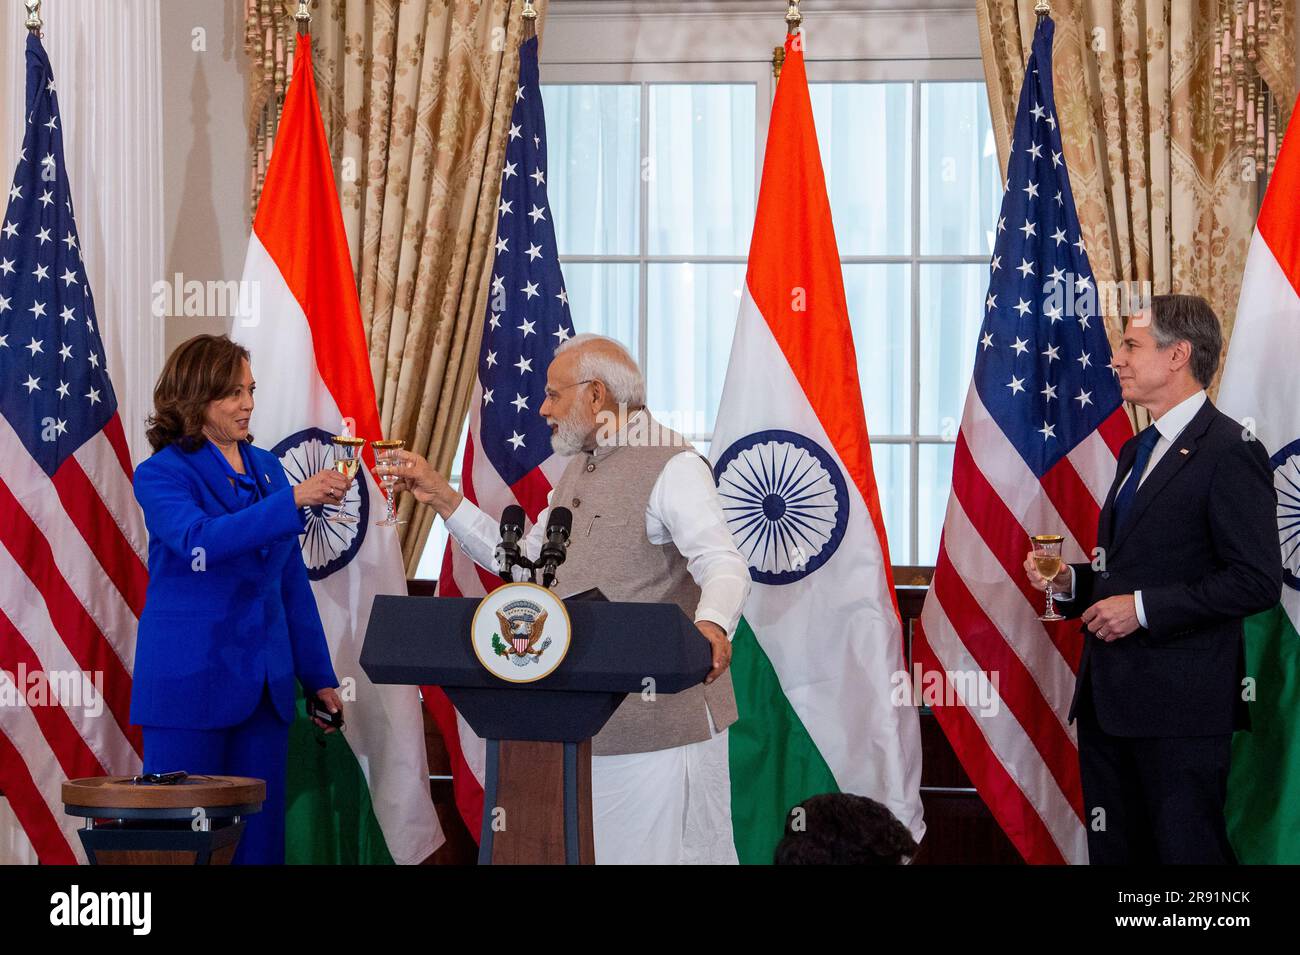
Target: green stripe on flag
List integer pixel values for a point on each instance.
(329, 819)
(774, 762)
(1264, 784)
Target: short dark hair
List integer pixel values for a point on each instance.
(201, 369)
(843, 829)
(1189, 318)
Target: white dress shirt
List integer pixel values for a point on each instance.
(1169, 425)
(684, 509)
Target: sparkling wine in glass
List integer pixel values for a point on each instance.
(347, 458)
(1048, 562)
(384, 454)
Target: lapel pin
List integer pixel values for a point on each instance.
(1182, 451)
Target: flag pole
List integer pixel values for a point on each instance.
(34, 17)
(530, 20)
(303, 17)
(793, 18)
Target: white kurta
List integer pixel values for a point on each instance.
(671, 806)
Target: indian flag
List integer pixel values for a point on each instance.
(1261, 389)
(825, 702)
(363, 796)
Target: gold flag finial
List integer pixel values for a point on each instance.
(530, 12)
(303, 17)
(1042, 8)
(793, 18)
(34, 16)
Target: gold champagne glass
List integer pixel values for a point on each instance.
(384, 455)
(347, 458)
(1048, 562)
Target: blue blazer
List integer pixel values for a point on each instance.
(229, 608)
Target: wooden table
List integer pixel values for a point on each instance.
(197, 821)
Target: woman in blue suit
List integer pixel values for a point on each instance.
(229, 619)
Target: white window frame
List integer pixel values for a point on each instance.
(721, 42)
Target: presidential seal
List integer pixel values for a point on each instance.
(520, 632)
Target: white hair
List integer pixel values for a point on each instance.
(610, 363)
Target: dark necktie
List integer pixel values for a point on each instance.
(1124, 499)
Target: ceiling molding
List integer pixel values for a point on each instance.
(645, 9)
(707, 31)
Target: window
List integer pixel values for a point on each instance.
(912, 172)
(654, 171)
(653, 191)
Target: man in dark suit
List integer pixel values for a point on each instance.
(1188, 542)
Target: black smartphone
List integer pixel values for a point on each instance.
(160, 779)
(316, 710)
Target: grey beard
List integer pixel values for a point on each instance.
(566, 441)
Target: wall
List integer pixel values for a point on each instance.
(205, 152)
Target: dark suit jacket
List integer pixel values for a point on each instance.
(229, 609)
(1201, 543)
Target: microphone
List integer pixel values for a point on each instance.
(507, 553)
(556, 547)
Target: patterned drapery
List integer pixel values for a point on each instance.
(416, 96)
(1163, 197)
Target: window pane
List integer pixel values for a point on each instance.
(890, 462)
(934, 480)
(952, 307)
(960, 187)
(430, 566)
(864, 131)
(701, 169)
(603, 299)
(880, 311)
(691, 318)
(593, 151)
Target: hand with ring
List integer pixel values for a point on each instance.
(323, 487)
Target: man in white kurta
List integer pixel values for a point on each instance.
(648, 525)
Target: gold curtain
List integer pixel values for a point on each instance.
(416, 96)
(1163, 197)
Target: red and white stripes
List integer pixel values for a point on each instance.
(72, 565)
(461, 577)
(981, 618)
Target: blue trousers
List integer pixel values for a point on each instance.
(257, 747)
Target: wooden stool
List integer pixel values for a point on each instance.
(197, 821)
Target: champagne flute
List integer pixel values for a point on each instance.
(347, 458)
(1048, 562)
(384, 455)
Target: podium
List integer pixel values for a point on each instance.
(537, 786)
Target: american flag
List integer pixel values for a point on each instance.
(1035, 454)
(508, 458)
(72, 543)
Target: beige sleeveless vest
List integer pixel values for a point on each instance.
(607, 490)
